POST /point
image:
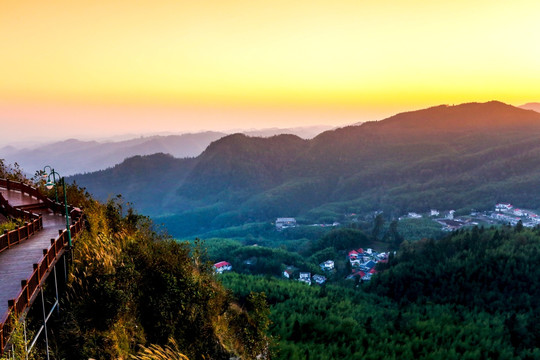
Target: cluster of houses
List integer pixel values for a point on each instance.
(447, 220)
(504, 213)
(433, 213)
(363, 263)
(285, 223)
(334, 224)
(306, 277)
(507, 213)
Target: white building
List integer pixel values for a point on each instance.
(434, 213)
(305, 277)
(327, 265)
(503, 207)
(283, 223)
(519, 212)
(319, 279)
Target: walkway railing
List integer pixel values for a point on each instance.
(34, 222)
(31, 191)
(31, 286)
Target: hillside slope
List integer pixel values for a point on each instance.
(449, 157)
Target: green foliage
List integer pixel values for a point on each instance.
(184, 223)
(12, 172)
(378, 224)
(19, 342)
(343, 239)
(269, 261)
(131, 286)
(252, 325)
(416, 229)
(255, 230)
(343, 323)
(492, 270)
(11, 224)
(323, 255)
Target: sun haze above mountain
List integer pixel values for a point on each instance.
(104, 68)
(535, 106)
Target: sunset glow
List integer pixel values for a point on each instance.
(192, 65)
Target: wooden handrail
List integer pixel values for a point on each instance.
(9, 238)
(13, 237)
(27, 189)
(30, 287)
(15, 212)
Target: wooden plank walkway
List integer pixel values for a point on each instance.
(17, 262)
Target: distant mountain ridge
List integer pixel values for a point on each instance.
(446, 157)
(534, 106)
(74, 156)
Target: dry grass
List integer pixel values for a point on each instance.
(156, 352)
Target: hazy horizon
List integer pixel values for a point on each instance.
(29, 142)
(159, 121)
(146, 128)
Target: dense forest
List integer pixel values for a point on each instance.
(471, 295)
(462, 157)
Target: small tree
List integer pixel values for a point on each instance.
(378, 224)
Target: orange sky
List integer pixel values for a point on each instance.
(96, 68)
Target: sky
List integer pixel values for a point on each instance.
(89, 69)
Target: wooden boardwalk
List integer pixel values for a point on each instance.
(16, 263)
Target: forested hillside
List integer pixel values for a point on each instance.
(131, 289)
(447, 157)
(472, 295)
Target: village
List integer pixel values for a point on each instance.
(362, 263)
(503, 213)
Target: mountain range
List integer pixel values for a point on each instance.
(75, 156)
(461, 157)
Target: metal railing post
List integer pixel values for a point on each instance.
(45, 324)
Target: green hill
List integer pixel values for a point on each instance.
(445, 157)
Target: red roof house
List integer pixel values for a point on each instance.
(222, 266)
